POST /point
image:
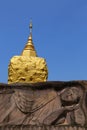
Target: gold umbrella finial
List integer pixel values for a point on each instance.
(30, 26)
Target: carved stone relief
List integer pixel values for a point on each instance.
(49, 103)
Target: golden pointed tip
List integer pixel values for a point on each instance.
(29, 49)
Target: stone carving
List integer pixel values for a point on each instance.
(47, 103)
(24, 69)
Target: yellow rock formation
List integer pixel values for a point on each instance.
(27, 70)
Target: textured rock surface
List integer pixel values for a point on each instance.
(27, 69)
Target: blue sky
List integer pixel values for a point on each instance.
(59, 35)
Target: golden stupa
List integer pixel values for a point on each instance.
(28, 67)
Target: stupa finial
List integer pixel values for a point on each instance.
(29, 49)
(30, 26)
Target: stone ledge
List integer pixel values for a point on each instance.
(30, 127)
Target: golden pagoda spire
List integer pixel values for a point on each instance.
(27, 68)
(29, 49)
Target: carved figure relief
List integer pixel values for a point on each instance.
(48, 106)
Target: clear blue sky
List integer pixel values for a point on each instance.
(59, 35)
